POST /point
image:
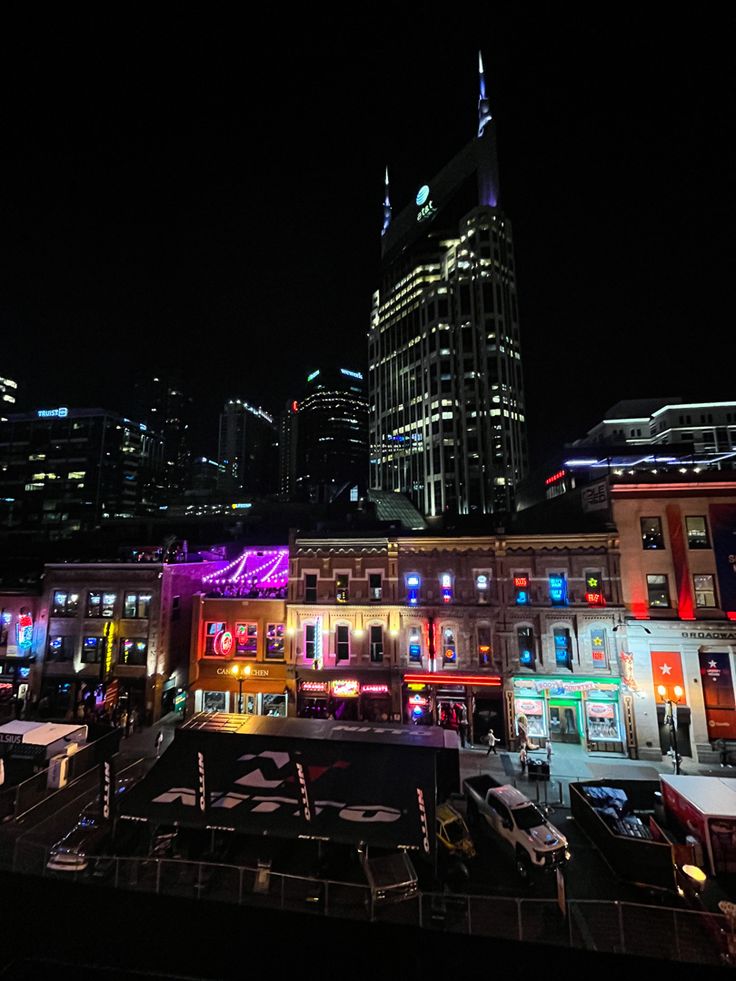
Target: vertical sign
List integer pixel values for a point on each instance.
(201, 784)
(723, 529)
(720, 709)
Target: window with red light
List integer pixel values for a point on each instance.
(211, 630)
(246, 639)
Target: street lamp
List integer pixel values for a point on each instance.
(670, 719)
(241, 672)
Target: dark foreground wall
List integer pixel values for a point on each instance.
(125, 931)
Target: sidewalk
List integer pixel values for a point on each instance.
(571, 764)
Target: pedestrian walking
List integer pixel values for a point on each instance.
(523, 760)
(158, 742)
(491, 739)
(549, 750)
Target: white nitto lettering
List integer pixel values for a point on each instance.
(202, 789)
(106, 791)
(423, 820)
(303, 790)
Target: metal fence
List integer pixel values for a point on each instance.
(613, 927)
(35, 789)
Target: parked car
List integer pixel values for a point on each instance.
(517, 823)
(73, 852)
(453, 834)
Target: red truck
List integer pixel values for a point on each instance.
(705, 808)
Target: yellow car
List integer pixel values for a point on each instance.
(453, 834)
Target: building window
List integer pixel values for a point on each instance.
(133, 652)
(557, 589)
(92, 650)
(376, 637)
(310, 588)
(137, 606)
(658, 590)
(482, 581)
(341, 589)
(60, 648)
(65, 604)
(446, 587)
(484, 647)
(415, 646)
(375, 587)
(563, 647)
(413, 585)
(211, 632)
(522, 595)
(275, 641)
(310, 640)
(594, 589)
(449, 648)
(525, 640)
(246, 639)
(697, 532)
(705, 591)
(599, 648)
(175, 608)
(101, 605)
(651, 533)
(342, 643)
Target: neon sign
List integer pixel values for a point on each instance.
(352, 374)
(313, 375)
(345, 688)
(422, 194)
(375, 689)
(521, 582)
(427, 211)
(319, 687)
(223, 643)
(25, 630)
(481, 582)
(61, 413)
(558, 590)
(555, 477)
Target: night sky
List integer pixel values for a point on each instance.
(209, 198)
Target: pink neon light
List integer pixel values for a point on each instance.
(253, 570)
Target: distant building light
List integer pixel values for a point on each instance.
(313, 375)
(351, 374)
(237, 507)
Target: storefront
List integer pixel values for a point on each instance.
(584, 712)
(448, 699)
(353, 696)
(256, 689)
(15, 680)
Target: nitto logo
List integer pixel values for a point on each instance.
(267, 772)
(423, 820)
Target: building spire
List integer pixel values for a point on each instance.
(484, 110)
(386, 205)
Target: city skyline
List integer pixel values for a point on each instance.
(132, 227)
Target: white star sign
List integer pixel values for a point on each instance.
(712, 664)
(665, 668)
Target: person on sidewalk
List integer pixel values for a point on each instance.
(462, 722)
(491, 740)
(159, 742)
(523, 759)
(549, 750)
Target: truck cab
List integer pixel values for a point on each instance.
(515, 821)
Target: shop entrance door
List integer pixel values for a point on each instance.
(564, 721)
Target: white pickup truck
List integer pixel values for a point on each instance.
(517, 823)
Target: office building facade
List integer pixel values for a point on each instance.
(247, 449)
(333, 434)
(64, 471)
(447, 417)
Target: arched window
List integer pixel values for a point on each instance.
(563, 647)
(449, 648)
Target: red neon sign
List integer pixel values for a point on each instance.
(555, 477)
(479, 680)
(521, 582)
(223, 643)
(375, 689)
(595, 599)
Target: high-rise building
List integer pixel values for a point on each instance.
(247, 449)
(8, 390)
(288, 443)
(162, 405)
(447, 418)
(65, 470)
(333, 434)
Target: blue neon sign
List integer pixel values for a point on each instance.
(352, 374)
(422, 194)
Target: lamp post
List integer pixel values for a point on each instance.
(670, 719)
(241, 672)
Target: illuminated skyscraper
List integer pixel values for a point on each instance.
(447, 420)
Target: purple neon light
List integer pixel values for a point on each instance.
(258, 568)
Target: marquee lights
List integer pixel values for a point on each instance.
(255, 568)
